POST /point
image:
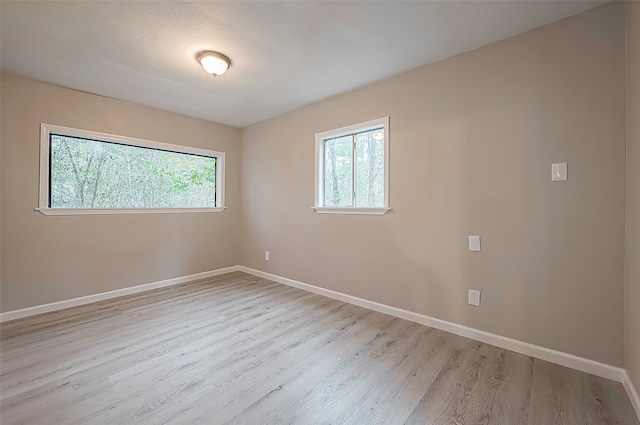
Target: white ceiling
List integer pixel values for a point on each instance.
(284, 54)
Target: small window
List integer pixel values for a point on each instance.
(84, 172)
(352, 169)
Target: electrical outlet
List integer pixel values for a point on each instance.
(266, 255)
(474, 297)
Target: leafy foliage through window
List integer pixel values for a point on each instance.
(86, 173)
(352, 167)
(354, 170)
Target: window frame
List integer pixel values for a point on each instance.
(321, 138)
(45, 163)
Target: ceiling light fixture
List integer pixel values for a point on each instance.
(213, 62)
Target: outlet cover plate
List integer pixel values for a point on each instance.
(559, 172)
(474, 297)
(474, 243)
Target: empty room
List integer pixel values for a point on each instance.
(320, 212)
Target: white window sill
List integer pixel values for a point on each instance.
(349, 210)
(109, 211)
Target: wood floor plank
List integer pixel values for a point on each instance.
(114, 348)
(258, 381)
(507, 396)
(238, 349)
(312, 358)
(333, 383)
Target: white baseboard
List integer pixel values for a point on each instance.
(633, 394)
(60, 305)
(564, 359)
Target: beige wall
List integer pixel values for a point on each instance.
(48, 258)
(632, 295)
(472, 142)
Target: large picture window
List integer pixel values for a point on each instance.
(85, 172)
(352, 169)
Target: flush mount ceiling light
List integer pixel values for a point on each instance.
(213, 62)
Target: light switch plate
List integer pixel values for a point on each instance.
(474, 243)
(559, 172)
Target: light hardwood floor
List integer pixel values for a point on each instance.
(237, 349)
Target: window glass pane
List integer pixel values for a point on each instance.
(94, 174)
(370, 168)
(338, 188)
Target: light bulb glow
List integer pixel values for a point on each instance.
(213, 62)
